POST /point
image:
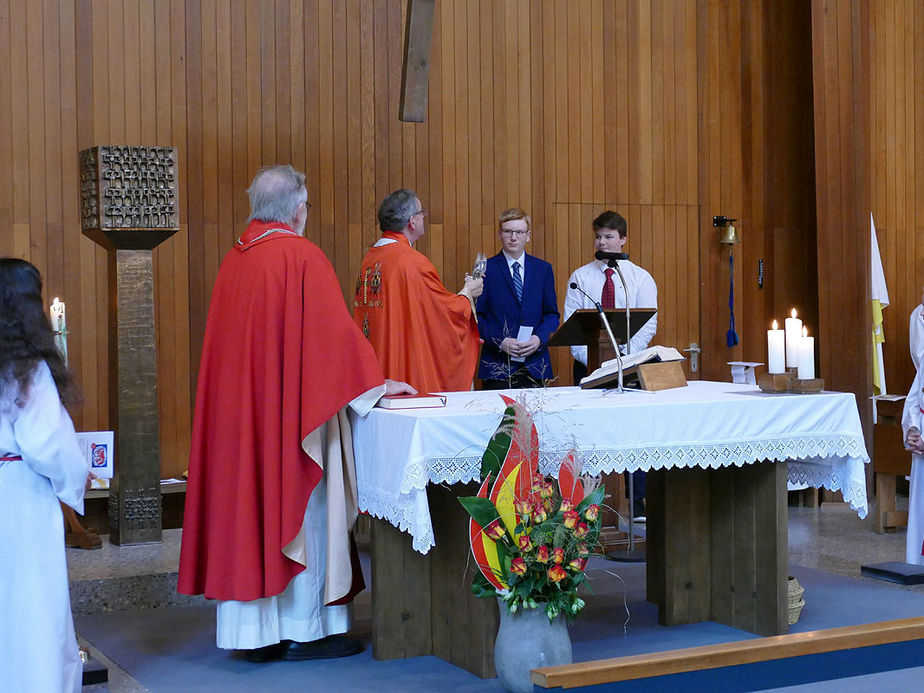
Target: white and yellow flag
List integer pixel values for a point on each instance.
(880, 295)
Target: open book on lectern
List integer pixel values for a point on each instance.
(609, 370)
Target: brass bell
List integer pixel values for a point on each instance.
(729, 235)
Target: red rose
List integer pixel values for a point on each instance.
(556, 573)
(495, 530)
(518, 566)
(542, 554)
(570, 519)
(558, 555)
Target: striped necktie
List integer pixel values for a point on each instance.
(517, 281)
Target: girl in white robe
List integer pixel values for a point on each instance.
(911, 422)
(40, 464)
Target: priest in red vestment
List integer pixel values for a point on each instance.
(422, 333)
(271, 498)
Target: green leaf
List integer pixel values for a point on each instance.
(482, 510)
(595, 498)
(498, 446)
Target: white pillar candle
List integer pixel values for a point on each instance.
(58, 316)
(806, 356)
(793, 338)
(776, 357)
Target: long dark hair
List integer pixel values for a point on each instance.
(26, 338)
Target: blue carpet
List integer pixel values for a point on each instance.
(173, 649)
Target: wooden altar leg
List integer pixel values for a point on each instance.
(424, 604)
(76, 536)
(718, 546)
(464, 626)
(400, 595)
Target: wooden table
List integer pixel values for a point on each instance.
(717, 533)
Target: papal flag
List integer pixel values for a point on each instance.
(880, 295)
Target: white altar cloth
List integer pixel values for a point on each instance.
(706, 424)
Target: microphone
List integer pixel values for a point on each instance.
(610, 257)
(590, 298)
(609, 330)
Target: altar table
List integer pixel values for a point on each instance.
(716, 534)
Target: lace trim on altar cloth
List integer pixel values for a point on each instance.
(401, 513)
(830, 460)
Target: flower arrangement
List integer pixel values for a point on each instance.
(530, 543)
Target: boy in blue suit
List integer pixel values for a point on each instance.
(517, 312)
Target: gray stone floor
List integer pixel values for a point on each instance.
(830, 538)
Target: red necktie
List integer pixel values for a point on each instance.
(608, 296)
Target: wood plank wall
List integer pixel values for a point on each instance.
(840, 49)
(896, 169)
(658, 108)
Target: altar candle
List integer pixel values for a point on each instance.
(59, 326)
(793, 339)
(806, 356)
(58, 319)
(776, 358)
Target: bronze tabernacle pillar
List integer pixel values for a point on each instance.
(128, 198)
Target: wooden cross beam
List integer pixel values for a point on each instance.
(415, 73)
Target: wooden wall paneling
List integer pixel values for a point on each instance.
(434, 134)
(282, 97)
(659, 103)
(521, 187)
(583, 78)
(477, 155)
(6, 127)
(458, 242)
(209, 120)
(339, 250)
(35, 141)
(482, 91)
(324, 104)
(70, 230)
(368, 202)
(840, 65)
(596, 162)
(311, 48)
(267, 71)
(354, 141)
(199, 286)
(50, 195)
(644, 162)
(171, 129)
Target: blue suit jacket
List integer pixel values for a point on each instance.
(500, 315)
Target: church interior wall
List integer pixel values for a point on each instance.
(671, 112)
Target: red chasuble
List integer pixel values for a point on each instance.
(422, 333)
(281, 356)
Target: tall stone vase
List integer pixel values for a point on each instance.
(526, 640)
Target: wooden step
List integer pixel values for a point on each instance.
(728, 654)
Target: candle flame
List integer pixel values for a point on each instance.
(55, 302)
(775, 327)
(794, 312)
(805, 332)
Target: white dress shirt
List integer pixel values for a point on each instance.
(643, 293)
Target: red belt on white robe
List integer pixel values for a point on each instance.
(10, 458)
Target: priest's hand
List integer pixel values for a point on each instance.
(473, 287)
(396, 387)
